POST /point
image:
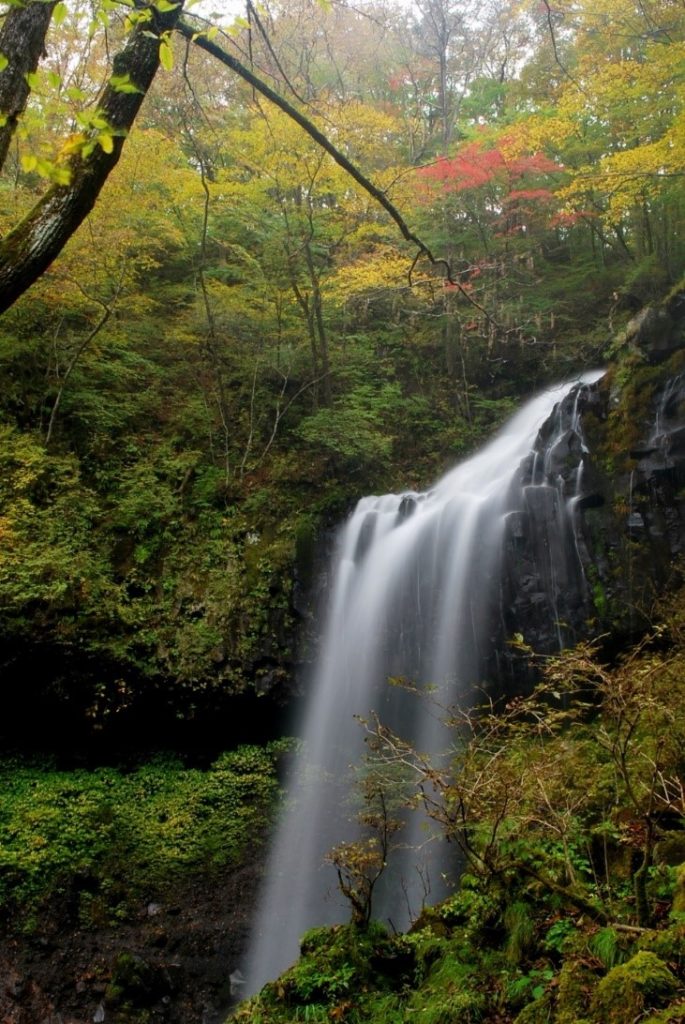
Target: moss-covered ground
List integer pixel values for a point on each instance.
(126, 890)
(67, 834)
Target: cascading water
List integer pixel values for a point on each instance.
(415, 582)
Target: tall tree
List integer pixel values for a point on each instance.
(32, 245)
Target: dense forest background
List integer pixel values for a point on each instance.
(236, 345)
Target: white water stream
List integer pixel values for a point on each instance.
(413, 582)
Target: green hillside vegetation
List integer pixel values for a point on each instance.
(98, 844)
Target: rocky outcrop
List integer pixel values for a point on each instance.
(600, 522)
(656, 332)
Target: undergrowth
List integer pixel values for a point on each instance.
(95, 843)
(567, 807)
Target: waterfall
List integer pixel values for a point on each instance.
(414, 585)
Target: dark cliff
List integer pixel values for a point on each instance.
(598, 533)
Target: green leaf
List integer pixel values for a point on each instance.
(166, 55)
(45, 167)
(60, 175)
(59, 13)
(29, 162)
(164, 5)
(76, 94)
(123, 83)
(3, 62)
(106, 143)
(32, 79)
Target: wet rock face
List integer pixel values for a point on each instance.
(654, 520)
(656, 332)
(653, 332)
(600, 523)
(544, 594)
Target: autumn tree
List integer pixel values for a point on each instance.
(617, 128)
(81, 170)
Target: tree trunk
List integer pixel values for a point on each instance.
(29, 249)
(22, 41)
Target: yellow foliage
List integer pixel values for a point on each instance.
(536, 133)
(131, 227)
(619, 121)
(383, 269)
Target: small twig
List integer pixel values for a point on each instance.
(248, 444)
(557, 58)
(106, 314)
(265, 36)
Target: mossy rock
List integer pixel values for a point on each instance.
(446, 989)
(643, 982)
(133, 980)
(540, 1011)
(574, 991)
(679, 894)
(671, 849)
(464, 1006)
(671, 1015)
(317, 939)
(666, 943)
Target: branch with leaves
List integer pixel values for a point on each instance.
(29, 249)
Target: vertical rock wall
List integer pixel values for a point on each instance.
(599, 534)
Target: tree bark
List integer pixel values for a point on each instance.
(29, 249)
(22, 41)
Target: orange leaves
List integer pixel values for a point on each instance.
(474, 166)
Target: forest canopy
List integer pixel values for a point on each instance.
(477, 100)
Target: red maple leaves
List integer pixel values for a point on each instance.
(474, 166)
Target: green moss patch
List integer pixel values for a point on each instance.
(644, 982)
(99, 842)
